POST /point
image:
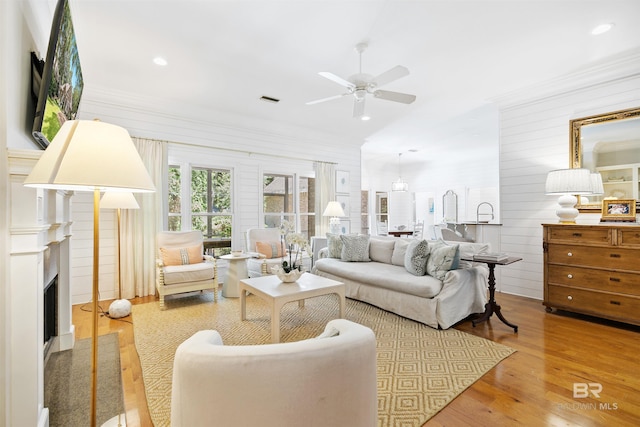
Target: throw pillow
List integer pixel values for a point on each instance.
(355, 248)
(415, 259)
(399, 251)
(270, 249)
(381, 250)
(181, 256)
(334, 245)
(441, 259)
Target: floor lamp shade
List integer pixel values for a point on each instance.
(91, 156)
(567, 183)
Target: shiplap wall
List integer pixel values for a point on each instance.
(248, 148)
(534, 139)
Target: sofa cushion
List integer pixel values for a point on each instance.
(355, 248)
(381, 275)
(399, 251)
(188, 273)
(381, 250)
(270, 249)
(181, 256)
(441, 259)
(415, 259)
(334, 245)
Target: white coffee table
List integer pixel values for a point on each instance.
(277, 294)
(236, 271)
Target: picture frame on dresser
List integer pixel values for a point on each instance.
(614, 210)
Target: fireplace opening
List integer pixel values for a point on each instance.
(50, 312)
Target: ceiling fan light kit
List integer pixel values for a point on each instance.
(361, 84)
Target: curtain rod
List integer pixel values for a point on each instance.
(235, 150)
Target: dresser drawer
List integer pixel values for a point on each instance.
(587, 235)
(612, 306)
(629, 237)
(604, 280)
(602, 257)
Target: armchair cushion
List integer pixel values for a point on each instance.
(188, 273)
(272, 249)
(181, 256)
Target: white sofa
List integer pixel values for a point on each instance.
(260, 264)
(328, 381)
(385, 282)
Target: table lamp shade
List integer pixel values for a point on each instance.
(568, 181)
(118, 200)
(333, 209)
(87, 155)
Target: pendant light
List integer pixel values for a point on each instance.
(399, 185)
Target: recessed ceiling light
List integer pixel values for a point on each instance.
(365, 118)
(601, 29)
(158, 60)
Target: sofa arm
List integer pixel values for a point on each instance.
(323, 253)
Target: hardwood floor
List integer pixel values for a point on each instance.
(533, 387)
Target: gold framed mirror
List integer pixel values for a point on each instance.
(608, 144)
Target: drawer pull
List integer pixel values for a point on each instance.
(569, 297)
(569, 254)
(615, 255)
(577, 234)
(570, 276)
(615, 302)
(614, 279)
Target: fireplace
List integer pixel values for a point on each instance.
(50, 313)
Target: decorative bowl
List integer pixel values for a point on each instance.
(401, 227)
(289, 277)
(236, 253)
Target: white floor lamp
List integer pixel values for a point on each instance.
(117, 200)
(91, 156)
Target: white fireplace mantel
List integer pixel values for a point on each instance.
(38, 218)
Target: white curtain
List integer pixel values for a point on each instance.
(140, 226)
(325, 192)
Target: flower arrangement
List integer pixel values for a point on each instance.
(294, 243)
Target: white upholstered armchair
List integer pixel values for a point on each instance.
(328, 381)
(262, 244)
(181, 265)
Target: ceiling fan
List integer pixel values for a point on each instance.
(361, 84)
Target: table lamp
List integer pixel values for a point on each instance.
(568, 183)
(92, 156)
(335, 211)
(117, 200)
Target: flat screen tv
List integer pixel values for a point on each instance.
(61, 83)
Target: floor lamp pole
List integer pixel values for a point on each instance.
(94, 333)
(119, 260)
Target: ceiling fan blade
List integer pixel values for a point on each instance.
(390, 75)
(317, 101)
(358, 108)
(405, 98)
(336, 79)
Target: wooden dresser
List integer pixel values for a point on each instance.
(593, 269)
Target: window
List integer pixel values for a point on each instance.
(211, 202)
(364, 212)
(175, 206)
(209, 209)
(281, 201)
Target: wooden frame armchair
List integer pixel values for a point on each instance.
(181, 265)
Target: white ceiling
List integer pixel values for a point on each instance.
(224, 55)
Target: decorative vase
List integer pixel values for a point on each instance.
(289, 277)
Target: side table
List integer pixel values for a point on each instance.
(237, 271)
(492, 306)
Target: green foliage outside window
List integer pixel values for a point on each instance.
(211, 202)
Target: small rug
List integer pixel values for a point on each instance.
(420, 369)
(67, 383)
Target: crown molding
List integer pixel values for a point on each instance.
(616, 67)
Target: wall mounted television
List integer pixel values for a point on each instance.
(61, 84)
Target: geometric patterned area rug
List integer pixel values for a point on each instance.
(419, 369)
